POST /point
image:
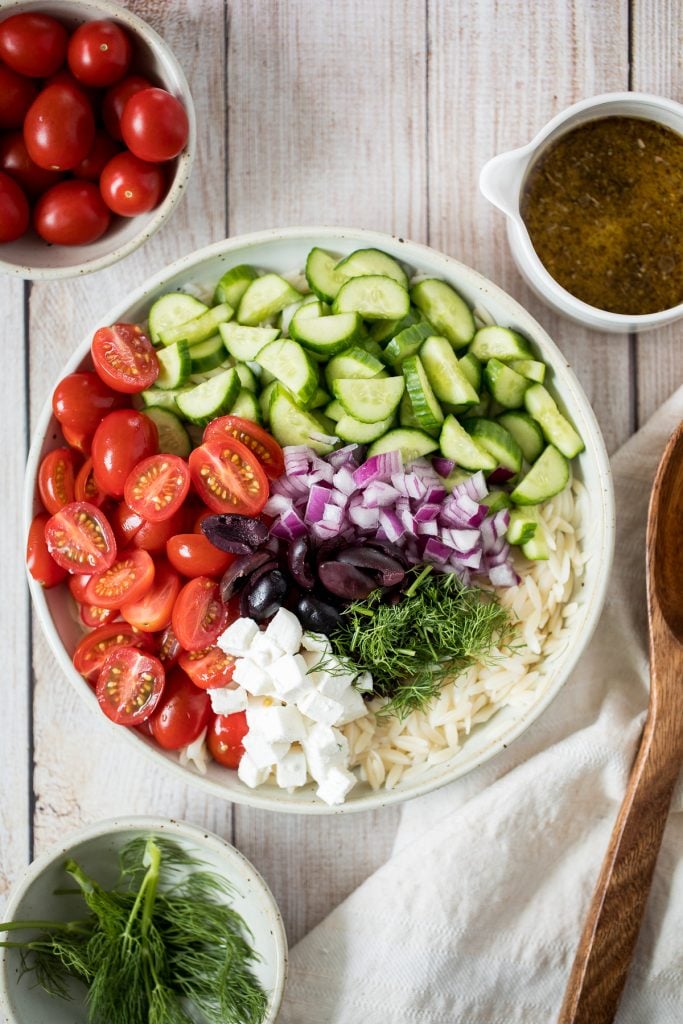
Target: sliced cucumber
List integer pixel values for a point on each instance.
(173, 438)
(175, 366)
(199, 378)
(406, 416)
(365, 262)
(371, 346)
(348, 428)
(425, 407)
(291, 424)
(369, 400)
(246, 376)
(383, 330)
(322, 276)
(234, 284)
(472, 369)
(445, 375)
(200, 328)
(532, 369)
(158, 399)
(334, 410)
(466, 451)
(214, 397)
(483, 408)
(524, 523)
(496, 500)
(374, 297)
(549, 475)
(207, 355)
(557, 430)
(326, 335)
(288, 362)
(319, 399)
(407, 343)
(447, 311)
(246, 405)
(412, 444)
(265, 297)
(170, 310)
(507, 387)
(498, 441)
(526, 433)
(245, 343)
(500, 343)
(355, 363)
(536, 549)
(264, 400)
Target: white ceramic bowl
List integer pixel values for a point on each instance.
(284, 251)
(30, 256)
(96, 849)
(502, 180)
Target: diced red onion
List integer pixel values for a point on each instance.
(365, 518)
(349, 455)
(444, 467)
(435, 551)
(333, 514)
(435, 493)
(317, 499)
(379, 467)
(379, 494)
(503, 576)
(428, 529)
(343, 480)
(392, 525)
(501, 475)
(425, 513)
(415, 487)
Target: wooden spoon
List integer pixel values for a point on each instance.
(609, 936)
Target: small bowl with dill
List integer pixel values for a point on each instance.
(142, 920)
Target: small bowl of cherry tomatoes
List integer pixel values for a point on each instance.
(97, 136)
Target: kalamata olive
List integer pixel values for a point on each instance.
(254, 576)
(389, 571)
(298, 562)
(261, 598)
(317, 615)
(236, 574)
(346, 580)
(392, 550)
(235, 533)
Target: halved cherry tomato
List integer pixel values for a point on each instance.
(124, 358)
(128, 578)
(224, 738)
(169, 648)
(77, 440)
(228, 477)
(40, 562)
(199, 616)
(80, 539)
(77, 584)
(152, 612)
(182, 714)
(33, 44)
(85, 487)
(94, 648)
(99, 53)
(157, 487)
(209, 668)
(122, 439)
(265, 448)
(193, 555)
(92, 615)
(115, 100)
(56, 479)
(130, 685)
(81, 400)
(130, 528)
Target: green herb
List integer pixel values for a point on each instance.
(160, 937)
(438, 629)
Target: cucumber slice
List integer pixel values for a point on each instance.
(366, 262)
(322, 276)
(445, 310)
(348, 428)
(526, 433)
(265, 297)
(200, 328)
(207, 355)
(406, 416)
(407, 342)
(374, 297)
(158, 399)
(549, 475)
(472, 369)
(175, 366)
(498, 441)
(290, 424)
(214, 397)
(170, 310)
(334, 410)
(412, 444)
(354, 363)
(245, 343)
(288, 362)
(445, 376)
(173, 438)
(264, 400)
(524, 522)
(536, 549)
(234, 284)
(456, 444)
(371, 346)
(326, 335)
(496, 500)
(505, 385)
(319, 399)
(246, 405)
(199, 378)
(500, 343)
(308, 307)
(483, 408)
(532, 369)
(556, 429)
(246, 376)
(369, 400)
(384, 330)
(425, 407)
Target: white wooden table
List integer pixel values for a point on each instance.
(371, 113)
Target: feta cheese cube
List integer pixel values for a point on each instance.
(263, 753)
(252, 677)
(284, 630)
(332, 686)
(312, 659)
(263, 650)
(320, 708)
(364, 682)
(250, 774)
(226, 700)
(325, 748)
(278, 723)
(196, 753)
(238, 637)
(336, 785)
(291, 770)
(354, 707)
(289, 678)
(316, 642)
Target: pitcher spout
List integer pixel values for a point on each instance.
(500, 180)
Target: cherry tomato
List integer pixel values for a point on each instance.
(124, 358)
(228, 477)
(157, 487)
(130, 685)
(81, 400)
(199, 616)
(154, 125)
(197, 524)
(56, 479)
(33, 44)
(77, 440)
(99, 53)
(59, 128)
(15, 161)
(130, 528)
(265, 448)
(182, 714)
(77, 584)
(193, 555)
(224, 738)
(85, 487)
(80, 539)
(40, 562)
(115, 100)
(94, 648)
(208, 669)
(14, 210)
(131, 186)
(93, 616)
(169, 648)
(153, 611)
(122, 439)
(71, 213)
(99, 155)
(16, 96)
(128, 578)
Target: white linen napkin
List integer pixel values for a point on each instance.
(476, 916)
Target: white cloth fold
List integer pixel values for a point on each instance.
(476, 916)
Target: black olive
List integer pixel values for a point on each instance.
(235, 533)
(389, 571)
(317, 615)
(392, 550)
(346, 580)
(236, 575)
(298, 562)
(262, 597)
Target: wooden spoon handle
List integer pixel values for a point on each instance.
(609, 936)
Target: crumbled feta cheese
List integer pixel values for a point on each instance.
(320, 708)
(238, 637)
(354, 707)
(291, 770)
(316, 642)
(332, 685)
(263, 650)
(263, 753)
(195, 753)
(290, 678)
(364, 682)
(278, 723)
(249, 773)
(284, 630)
(226, 700)
(325, 748)
(313, 659)
(252, 677)
(336, 785)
